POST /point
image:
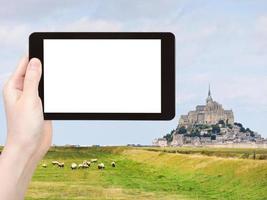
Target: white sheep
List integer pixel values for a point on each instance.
(44, 165)
(113, 164)
(55, 162)
(60, 165)
(85, 162)
(101, 166)
(73, 166)
(93, 160)
(85, 165)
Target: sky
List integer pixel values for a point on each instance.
(221, 43)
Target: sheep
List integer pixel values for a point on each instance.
(88, 163)
(85, 165)
(85, 162)
(113, 164)
(44, 165)
(93, 160)
(101, 166)
(55, 162)
(60, 165)
(73, 166)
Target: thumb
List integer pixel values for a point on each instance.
(32, 78)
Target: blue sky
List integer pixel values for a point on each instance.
(223, 43)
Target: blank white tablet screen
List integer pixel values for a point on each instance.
(102, 75)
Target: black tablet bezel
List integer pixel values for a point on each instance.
(167, 73)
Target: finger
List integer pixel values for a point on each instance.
(15, 82)
(32, 78)
(16, 79)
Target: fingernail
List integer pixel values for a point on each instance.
(34, 63)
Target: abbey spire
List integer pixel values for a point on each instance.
(209, 98)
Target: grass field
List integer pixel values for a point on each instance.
(143, 173)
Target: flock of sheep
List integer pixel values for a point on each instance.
(84, 165)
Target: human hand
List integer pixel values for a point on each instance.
(26, 128)
(28, 135)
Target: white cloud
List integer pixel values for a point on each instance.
(40, 10)
(262, 24)
(185, 97)
(261, 35)
(17, 11)
(250, 91)
(12, 36)
(247, 91)
(87, 24)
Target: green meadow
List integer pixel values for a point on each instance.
(152, 173)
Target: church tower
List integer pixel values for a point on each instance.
(209, 98)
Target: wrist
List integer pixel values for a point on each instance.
(16, 155)
(19, 155)
(16, 169)
(18, 160)
(19, 147)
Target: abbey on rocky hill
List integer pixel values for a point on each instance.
(211, 113)
(207, 125)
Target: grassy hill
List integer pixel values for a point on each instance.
(144, 174)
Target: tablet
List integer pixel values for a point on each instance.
(106, 75)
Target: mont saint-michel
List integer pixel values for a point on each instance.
(209, 124)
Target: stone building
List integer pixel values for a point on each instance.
(178, 140)
(211, 113)
(205, 140)
(162, 142)
(195, 141)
